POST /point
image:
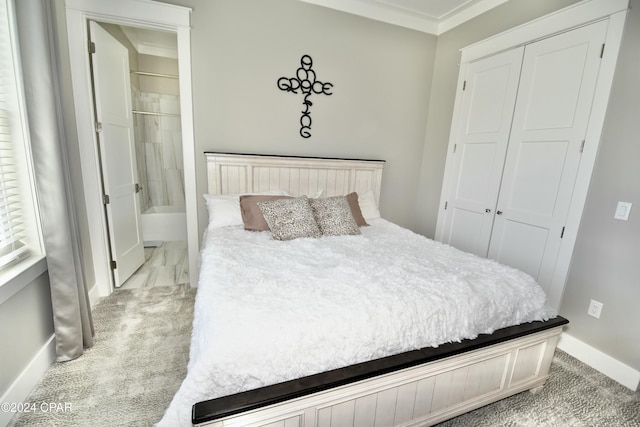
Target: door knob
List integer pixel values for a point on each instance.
(499, 212)
(487, 210)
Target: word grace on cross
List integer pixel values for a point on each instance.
(305, 81)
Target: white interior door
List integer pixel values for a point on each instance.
(112, 91)
(481, 143)
(558, 81)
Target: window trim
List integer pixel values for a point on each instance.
(18, 276)
(15, 276)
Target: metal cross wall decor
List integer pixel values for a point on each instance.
(305, 81)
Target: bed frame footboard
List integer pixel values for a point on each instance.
(437, 385)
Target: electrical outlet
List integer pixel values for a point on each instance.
(595, 308)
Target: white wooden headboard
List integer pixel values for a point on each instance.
(247, 173)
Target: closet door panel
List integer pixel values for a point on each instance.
(468, 217)
(480, 149)
(536, 178)
(551, 97)
(522, 246)
(551, 115)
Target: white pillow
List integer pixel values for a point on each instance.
(317, 195)
(224, 210)
(368, 206)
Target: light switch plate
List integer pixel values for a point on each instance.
(622, 211)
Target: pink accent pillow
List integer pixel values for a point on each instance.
(352, 199)
(251, 215)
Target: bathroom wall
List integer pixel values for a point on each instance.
(160, 65)
(163, 150)
(138, 130)
(158, 137)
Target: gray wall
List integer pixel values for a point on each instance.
(27, 325)
(381, 76)
(605, 264)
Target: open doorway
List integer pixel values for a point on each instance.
(137, 99)
(165, 172)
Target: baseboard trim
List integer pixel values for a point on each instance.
(94, 295)
(614, 369)
(30, 377)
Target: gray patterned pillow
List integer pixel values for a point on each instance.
(334, 216)
(290, 219)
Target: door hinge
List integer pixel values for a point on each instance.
(105, 199)
(92, 47)
(138, 188)
(582, 145)
(562, 233)
(455, 147)
(445, 205)
(98, 126)
(114, 265)
(464, 85)
(602, 51)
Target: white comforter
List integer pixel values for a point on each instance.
(268, 311)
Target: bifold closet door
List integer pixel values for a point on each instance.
(557, 85)
(481, 139)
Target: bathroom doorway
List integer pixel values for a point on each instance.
(166, 171)
(156, 155)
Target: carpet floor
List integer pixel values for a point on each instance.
(141, 351)
(134, 368)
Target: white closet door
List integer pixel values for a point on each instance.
(480, 146)
(558, 82)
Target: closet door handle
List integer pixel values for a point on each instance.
(499, 213)
(487, 210)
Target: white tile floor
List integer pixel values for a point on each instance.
(166, 265)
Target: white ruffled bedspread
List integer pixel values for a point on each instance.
(268, 311)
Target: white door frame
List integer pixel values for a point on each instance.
(565, 19)
(139, 13)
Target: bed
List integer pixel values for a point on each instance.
(345, 330)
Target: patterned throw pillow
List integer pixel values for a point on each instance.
(251, 215)
(333, 216)
(290, 219)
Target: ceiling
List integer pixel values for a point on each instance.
(429, 16)
(152, 42)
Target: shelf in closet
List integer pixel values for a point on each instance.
(151, 113)
(146, 73)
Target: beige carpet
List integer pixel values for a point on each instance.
(136, 365)
(140, 356)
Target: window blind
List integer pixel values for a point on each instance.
(12, 245)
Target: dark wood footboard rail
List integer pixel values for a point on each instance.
(214, 409)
